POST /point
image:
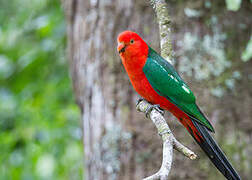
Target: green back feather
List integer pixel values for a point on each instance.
(167, 82)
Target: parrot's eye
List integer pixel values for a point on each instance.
(131, 41)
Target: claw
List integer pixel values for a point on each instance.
(139, 100)
(157, 107)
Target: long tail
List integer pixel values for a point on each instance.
(214, 153)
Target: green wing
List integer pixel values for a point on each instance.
(167, 82)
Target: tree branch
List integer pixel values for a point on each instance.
(153, 112)
(164, 22)
(169, 141)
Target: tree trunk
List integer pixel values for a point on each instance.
(114, 142)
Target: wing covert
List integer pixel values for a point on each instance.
(167, 82)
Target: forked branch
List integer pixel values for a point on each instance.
(169, 141)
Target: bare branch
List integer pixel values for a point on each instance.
(184, 150)
(169, 141)
(164, 21)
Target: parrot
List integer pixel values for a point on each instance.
(157, 81)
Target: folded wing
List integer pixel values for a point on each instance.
(167, 82)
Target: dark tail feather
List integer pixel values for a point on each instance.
(214, 153)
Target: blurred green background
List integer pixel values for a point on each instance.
(40, 134)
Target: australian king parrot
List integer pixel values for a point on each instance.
(156, 80)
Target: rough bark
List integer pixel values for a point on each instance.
(113, 142)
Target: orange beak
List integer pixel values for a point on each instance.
(121, 48)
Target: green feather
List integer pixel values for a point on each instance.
(167, 82)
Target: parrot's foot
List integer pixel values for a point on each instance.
(139, 100)
(155, 106)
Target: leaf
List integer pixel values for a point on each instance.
(247, 53)
(233, 5)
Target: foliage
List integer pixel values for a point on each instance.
(247, 53)
(40, 135)
(233, 5)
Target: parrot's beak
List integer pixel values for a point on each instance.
(121, 48)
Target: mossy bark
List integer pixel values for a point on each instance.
(164, 21)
